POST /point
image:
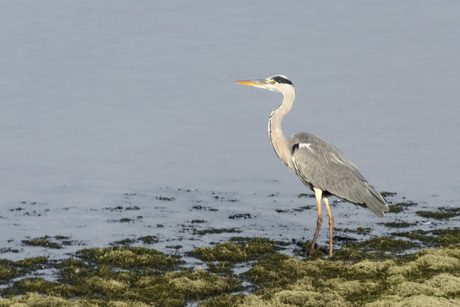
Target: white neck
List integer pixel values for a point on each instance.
(275, 133)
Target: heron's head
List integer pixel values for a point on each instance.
(277, 83)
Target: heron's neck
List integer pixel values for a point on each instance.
(279, 141)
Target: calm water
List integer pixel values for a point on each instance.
(111, 97)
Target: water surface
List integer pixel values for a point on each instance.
(104, 99)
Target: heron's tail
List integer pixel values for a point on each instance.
(375, 202)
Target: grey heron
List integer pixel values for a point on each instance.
(319, 165)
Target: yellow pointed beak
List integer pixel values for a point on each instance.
(252, 82)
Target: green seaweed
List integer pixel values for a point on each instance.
(433, 238)
(235, 252)
(399, 207)
(148, 239)
(42, 241)
(388, 194)
(128, 257)
(399, 224)
(441, 213)
(94, 278)
(217, 231)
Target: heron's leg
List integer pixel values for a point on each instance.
(331, 225)
(318, 194)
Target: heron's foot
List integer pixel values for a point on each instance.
(312, 250)
(318, 252)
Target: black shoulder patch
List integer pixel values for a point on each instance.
(282, 79)
(294, 148)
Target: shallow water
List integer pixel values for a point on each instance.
(115, 104)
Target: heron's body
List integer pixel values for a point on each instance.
(319, 165)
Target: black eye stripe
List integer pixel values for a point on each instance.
(281, 79)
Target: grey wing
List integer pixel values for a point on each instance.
(321, 165)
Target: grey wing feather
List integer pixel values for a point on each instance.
(321, 165)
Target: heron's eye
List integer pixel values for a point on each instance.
(273, 81)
